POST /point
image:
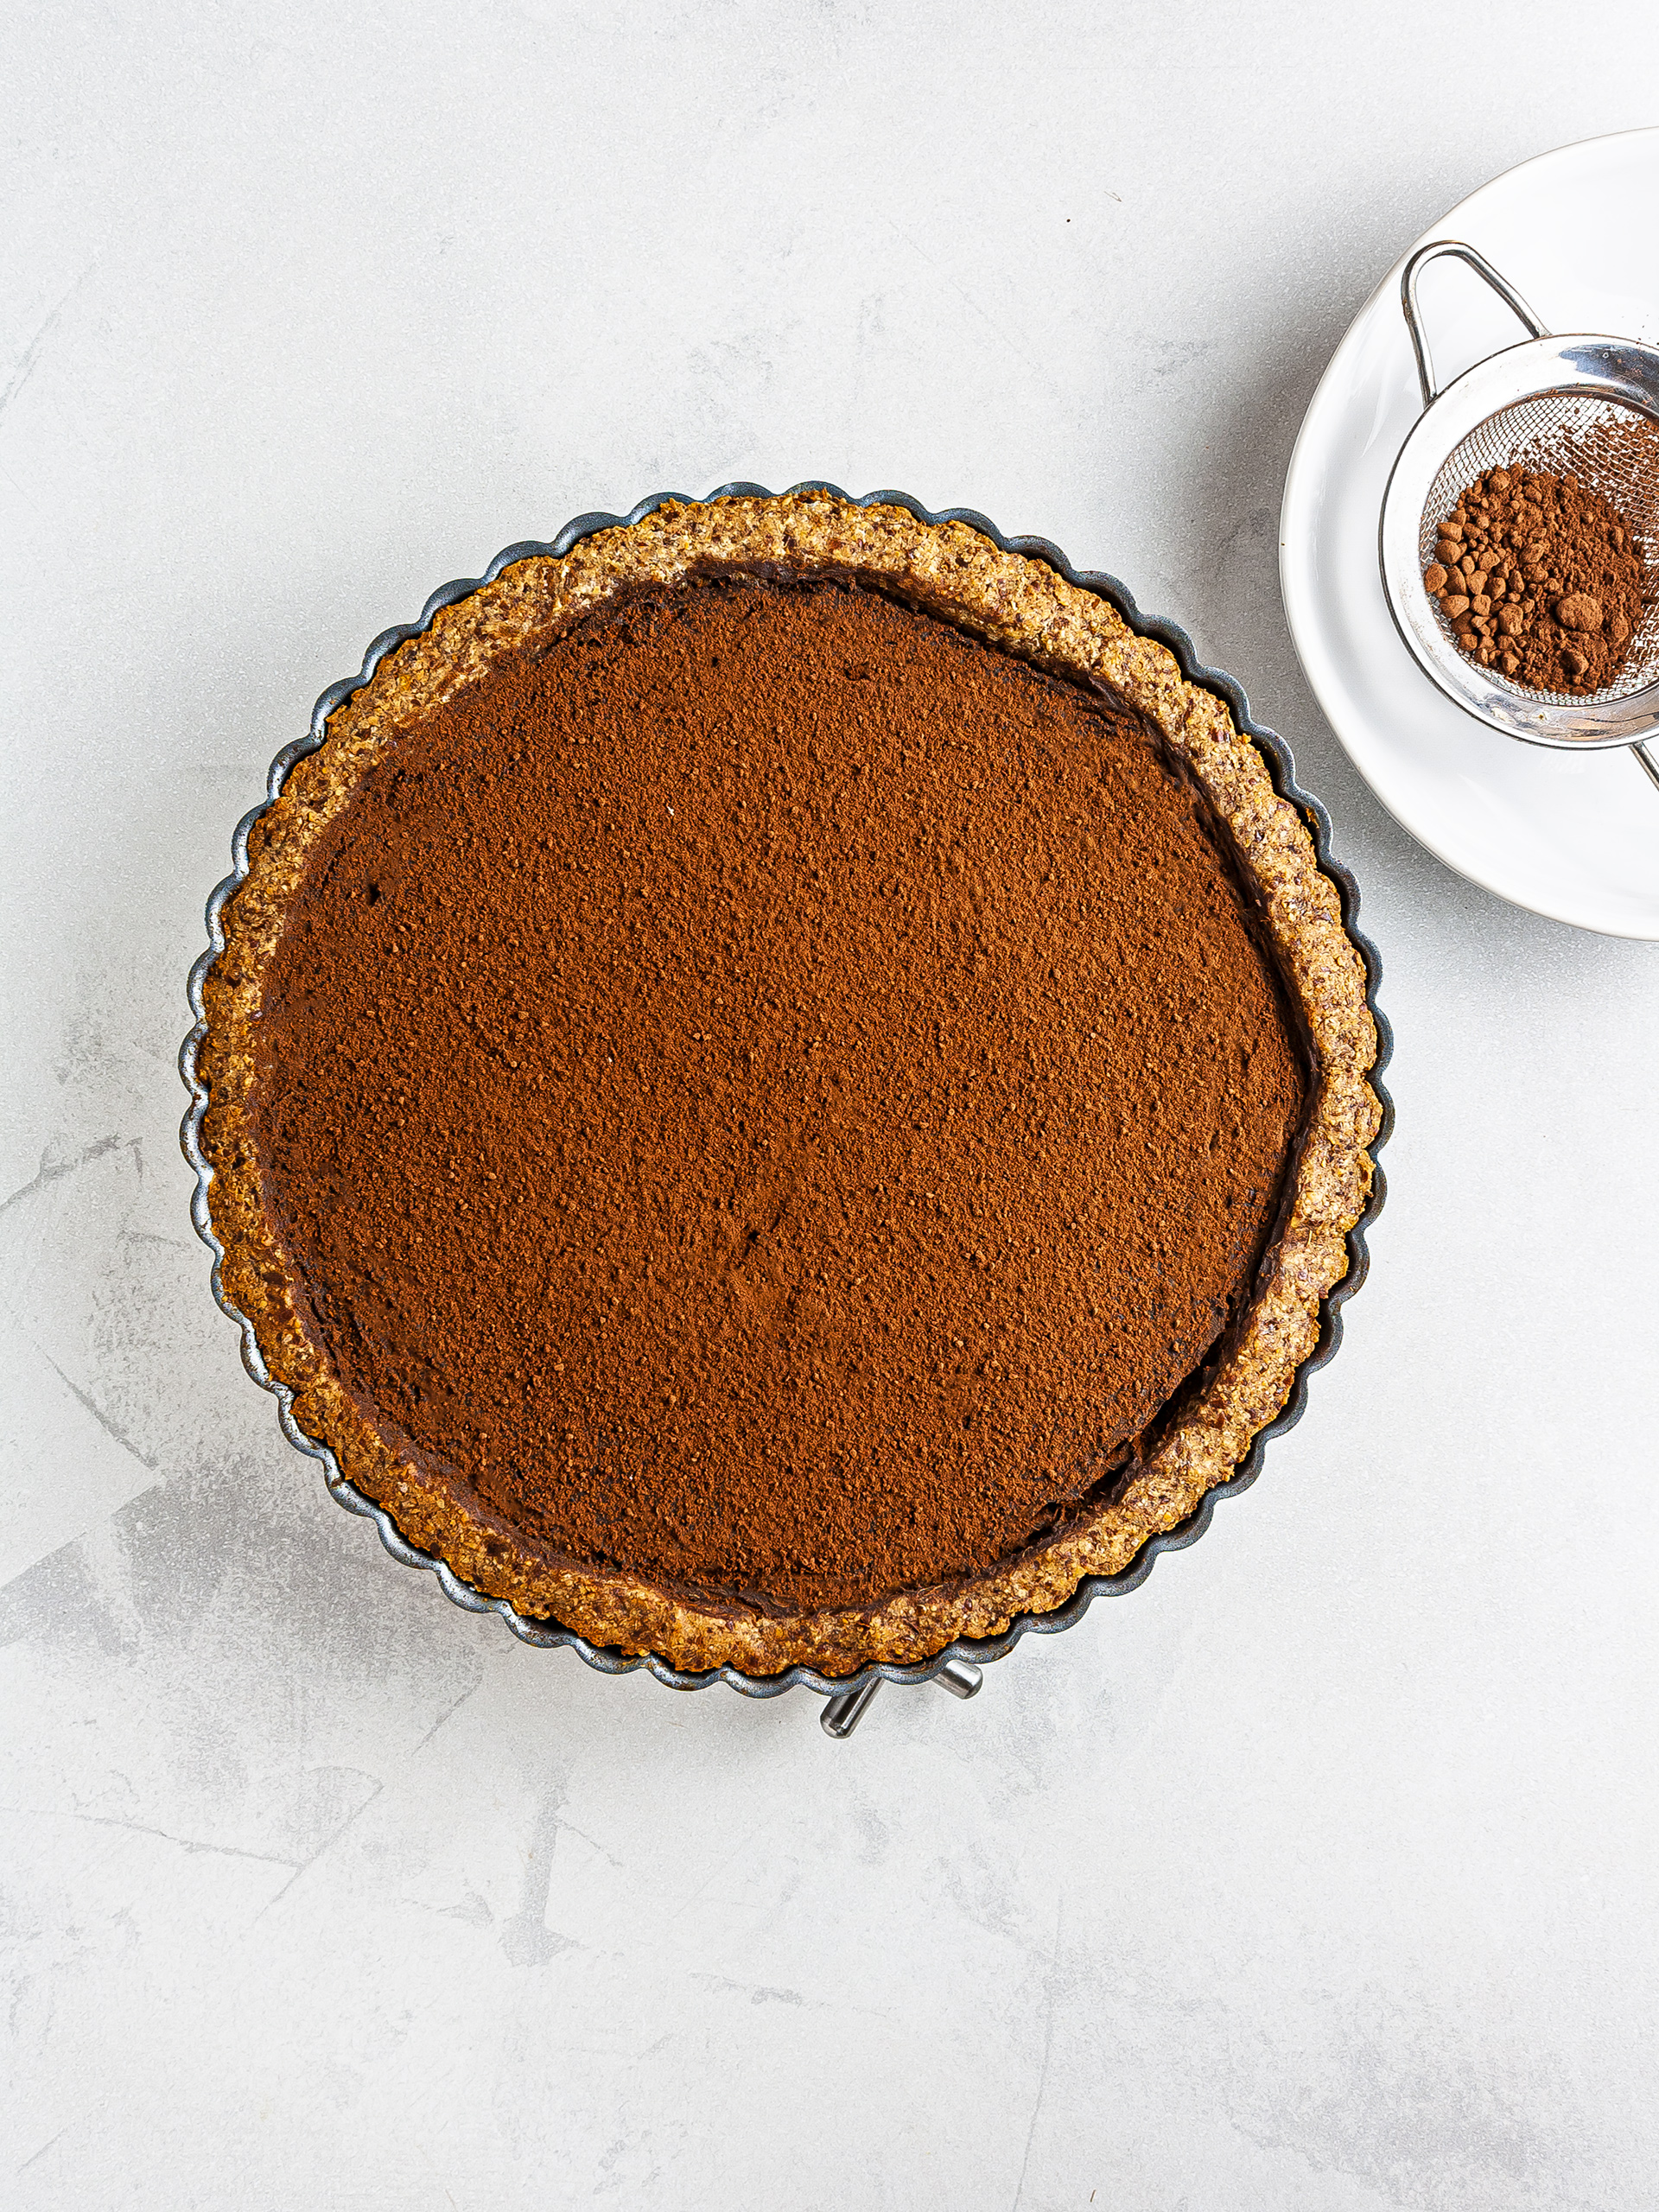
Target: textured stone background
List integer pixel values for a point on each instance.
(1319, 1876)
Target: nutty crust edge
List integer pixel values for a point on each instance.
(1010, 600)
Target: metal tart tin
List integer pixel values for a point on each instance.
(956, 1667)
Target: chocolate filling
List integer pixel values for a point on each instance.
(773, 1096)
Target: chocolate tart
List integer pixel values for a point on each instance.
(782, 1090)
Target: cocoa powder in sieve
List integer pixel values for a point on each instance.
(772, 1095)
(1539, 577)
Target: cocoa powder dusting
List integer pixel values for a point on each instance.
(772, 1095)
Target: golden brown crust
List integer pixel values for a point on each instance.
(1014, 601)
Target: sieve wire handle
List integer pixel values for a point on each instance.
(1644, 752)
(1483, 268)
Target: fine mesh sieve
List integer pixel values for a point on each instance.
(1563, 429)
(1587, 405)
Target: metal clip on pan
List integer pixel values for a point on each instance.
(841, 1714)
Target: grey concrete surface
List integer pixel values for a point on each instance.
(1317, 1877)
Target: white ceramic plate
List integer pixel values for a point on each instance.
(1574, 837)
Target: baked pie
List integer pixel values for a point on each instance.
(781, 1087)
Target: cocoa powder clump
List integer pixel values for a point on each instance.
(1539, 577)
(771, 1094)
